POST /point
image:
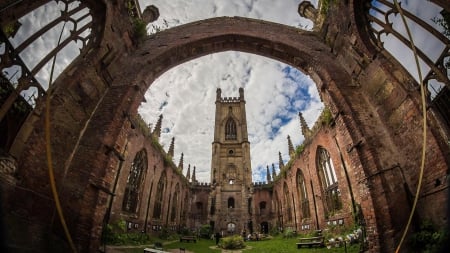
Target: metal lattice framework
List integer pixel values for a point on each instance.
(28, 49)
(386, 26)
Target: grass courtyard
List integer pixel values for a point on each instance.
(275, 244)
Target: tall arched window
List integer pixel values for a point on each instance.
(134, 182)
(329, 182)
(278, 209)
(230, 202)
(230, 129)
(303, 195)
(157, 210)
(287, 202)
(173, 211)
(262, 207)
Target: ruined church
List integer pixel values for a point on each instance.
(75, 155)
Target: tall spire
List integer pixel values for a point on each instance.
(194, 180)
(172, 147)
(218, 94)
(241, 94)
(291, 147)
(280, 161)
(157, 130)
(274, 174)
(188, 174)
(305, 129)
(268, 175)
(180, 164)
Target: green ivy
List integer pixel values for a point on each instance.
(299, 149)
(9, 29)
(326, 6)
(326, 116)
(139, 29)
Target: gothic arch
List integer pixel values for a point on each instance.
(159, 198)
(160, 52)
(121, 74)
(328, 181)
(303, 194)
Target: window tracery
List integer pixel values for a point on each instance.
(303, 194)
(230, 129)
(157, 210)
(134, 182)
(329, 182)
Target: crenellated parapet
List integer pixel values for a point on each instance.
(230, 100)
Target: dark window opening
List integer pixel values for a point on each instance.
(135, 178)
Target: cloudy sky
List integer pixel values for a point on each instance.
(185, 95)
(274, 92)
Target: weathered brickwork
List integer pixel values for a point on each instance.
(374, 141)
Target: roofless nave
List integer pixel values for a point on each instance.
(373, 141)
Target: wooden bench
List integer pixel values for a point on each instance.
(149, 250)
(311, 241)
(188, 238)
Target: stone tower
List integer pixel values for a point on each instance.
(230, 201)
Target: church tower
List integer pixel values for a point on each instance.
(230, 201)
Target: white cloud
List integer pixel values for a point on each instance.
(182, 12)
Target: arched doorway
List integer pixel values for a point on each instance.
(231, 228)
(264, 227)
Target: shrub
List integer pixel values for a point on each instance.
(232, 242)
(428, 239)
(205, 231)
(289, 233)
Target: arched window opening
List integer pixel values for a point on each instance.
(431, 37)
(328, 179)
(278, 210)
(287, 202)
(230, 129)
(231, 227)
(212, 210)
(135, 178)
(160, 189)
(199, 206)
(231, 202)
(175, 202)
(262, 205)
(303, 195)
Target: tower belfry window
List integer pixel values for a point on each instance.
(230, 129)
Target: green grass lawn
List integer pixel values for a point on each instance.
(276, 244)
